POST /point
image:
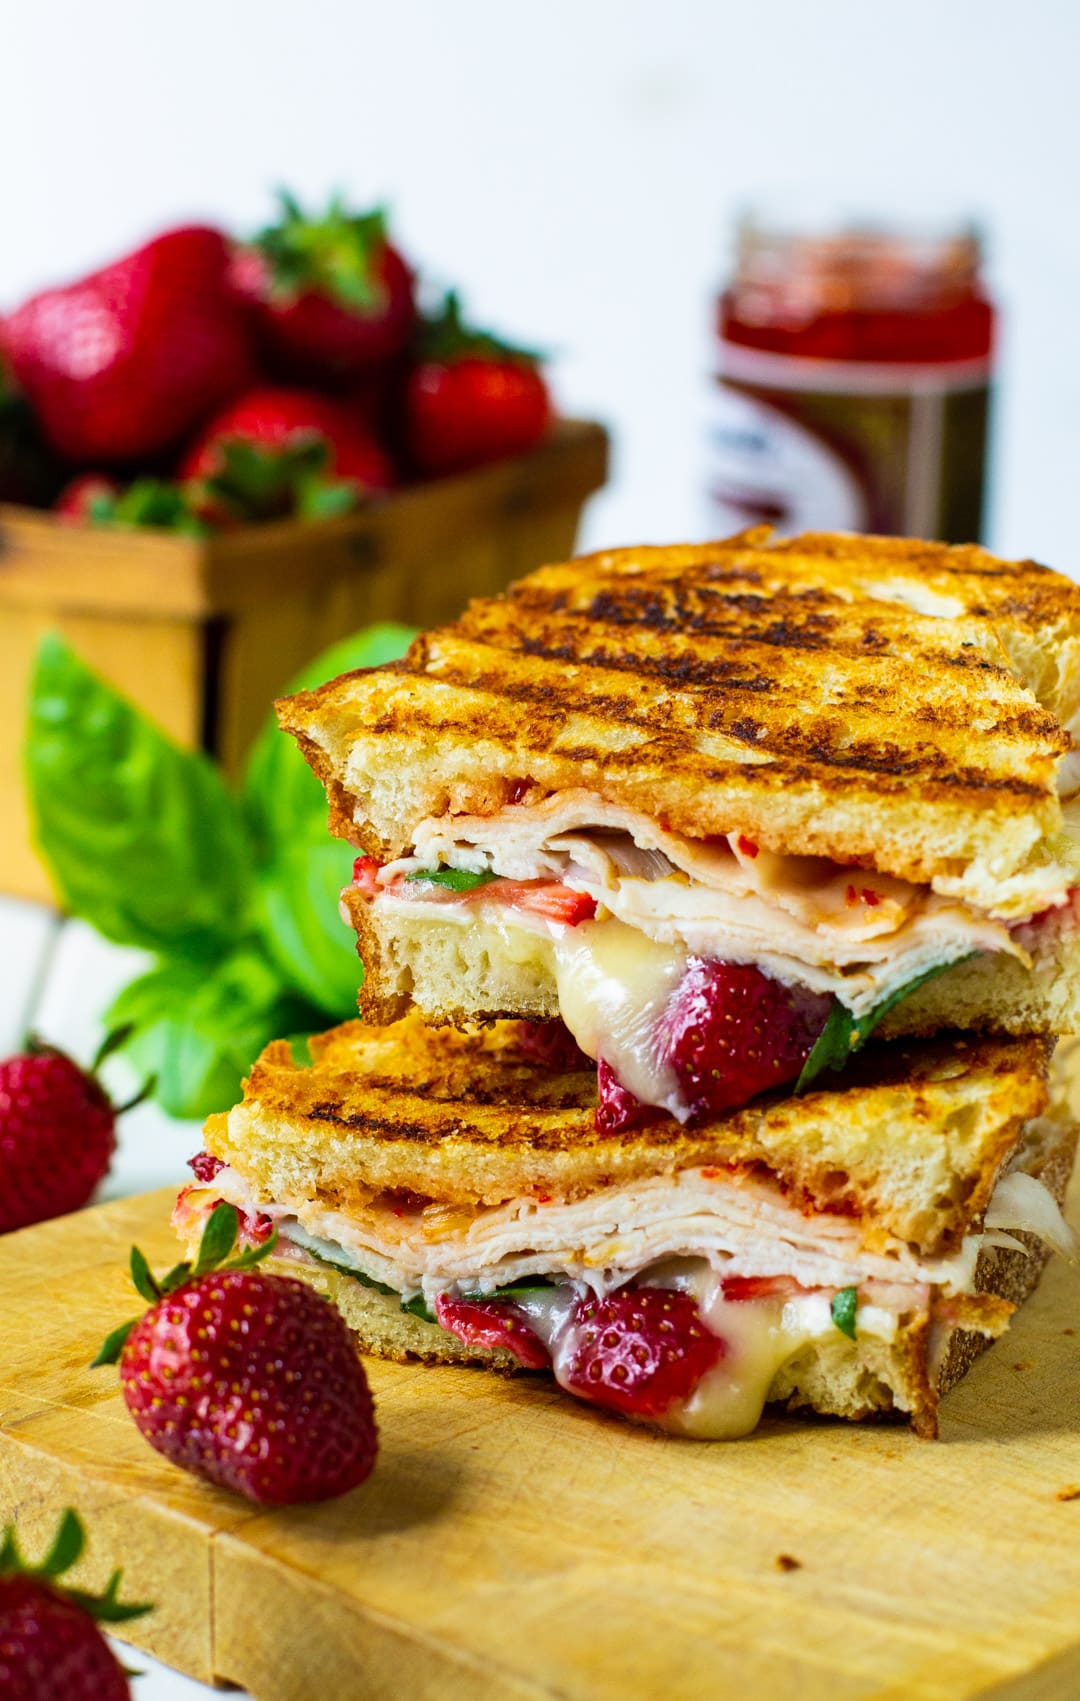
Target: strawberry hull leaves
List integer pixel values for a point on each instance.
(50, 1643)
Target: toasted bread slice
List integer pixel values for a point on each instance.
(910, 1139)
(900, 705)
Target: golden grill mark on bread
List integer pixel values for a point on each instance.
(792, 690)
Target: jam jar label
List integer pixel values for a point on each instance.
(824, 445)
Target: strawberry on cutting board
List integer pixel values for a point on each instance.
(57, 1132)
(120, 365)
(249, 1380)
(471, 398)
(50, 1646)
(330, 297)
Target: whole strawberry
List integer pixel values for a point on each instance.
(29, 472)
(120, 365)
(57, 1133)
(471, 398)
(50, 1646)
(639, 1350)
(276, 452)
(246, 1379)
(330, 298)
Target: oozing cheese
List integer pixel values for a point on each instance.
(613, 988)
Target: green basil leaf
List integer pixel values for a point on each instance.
(198, 1030)
(296, 911)
(842, 1034)
(833, 1046)
(512, 1290)
(844, 1306)
(301, 869)
(347, 1270)
(454, 879)
(419, 1307)
(143, 839)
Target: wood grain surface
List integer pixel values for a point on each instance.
(514, 1544)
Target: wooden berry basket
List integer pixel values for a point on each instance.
(204, 633)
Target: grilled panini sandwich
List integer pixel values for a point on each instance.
(810, 787)
(848, 1251)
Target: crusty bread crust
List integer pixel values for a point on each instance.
(878, 701)
(910, 1139)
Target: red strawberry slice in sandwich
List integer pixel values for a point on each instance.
(492, 1324)
(639, 1350)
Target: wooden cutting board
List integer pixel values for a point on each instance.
(514, 1544)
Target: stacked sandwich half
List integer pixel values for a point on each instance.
(718, 909)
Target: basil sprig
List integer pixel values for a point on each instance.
(453, 879)
(844, 1033)
(234, 892)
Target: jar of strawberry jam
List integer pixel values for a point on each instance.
(853, 380)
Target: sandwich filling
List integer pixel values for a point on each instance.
(677, 1299)
(615, 909)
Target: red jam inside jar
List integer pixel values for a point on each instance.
(853, 381)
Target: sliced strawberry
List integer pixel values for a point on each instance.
(760, 1287)
(731, 1032)
(204, 1166)
(549, 898)
(640, 1350)
(618, 1110)
(552, 1046)
(365, 872)
(86, 497)
(491, 1324)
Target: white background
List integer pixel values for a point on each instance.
(575, 165)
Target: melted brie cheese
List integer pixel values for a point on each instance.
(614, 986)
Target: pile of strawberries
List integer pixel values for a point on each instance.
(202, 383)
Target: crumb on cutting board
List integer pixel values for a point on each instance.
(788, 1562)
(1071, 1491)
